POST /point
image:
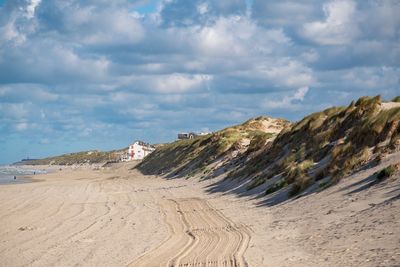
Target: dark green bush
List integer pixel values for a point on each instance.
(276, 186)
(257, 182)
(300, 185)
(386, 172)
(396, 99)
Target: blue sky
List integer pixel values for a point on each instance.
(97, 74)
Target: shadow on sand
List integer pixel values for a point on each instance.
(240, 187)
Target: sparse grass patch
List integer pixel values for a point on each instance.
(300, 185)
(386, 172)
(306, 165)
(258, 140)
(297, 171)
(276, 186)
(300, 154)
(321, 174)
(356, 160)
(255, 183)
(394, 141)
(324, 185)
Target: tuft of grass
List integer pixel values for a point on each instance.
(298, 171)
(394, 141)
(357, 160)
(276, 186)
(257, 182)
(386, 172)
(321, 174)
(300, 185)
(324, 185)
(306, 165)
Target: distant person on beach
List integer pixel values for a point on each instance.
(15, 177)
(34, 173)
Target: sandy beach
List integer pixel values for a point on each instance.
(118, 217)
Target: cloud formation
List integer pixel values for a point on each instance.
(84, 74)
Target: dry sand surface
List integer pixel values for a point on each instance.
(118, 217)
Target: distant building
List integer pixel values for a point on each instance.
(139, 150)
(124, 156)
(190, 135)
(186, 135)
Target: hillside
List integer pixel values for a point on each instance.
(313, 153)
(84, 157)
(212, 153)
(326, 146)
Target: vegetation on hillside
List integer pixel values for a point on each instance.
(328, 144)
(386, 172)
(321, 148)
(318, 150)
(85, 157)
(187, 157)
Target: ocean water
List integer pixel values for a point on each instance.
(7, 173)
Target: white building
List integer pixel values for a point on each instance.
(139, 150)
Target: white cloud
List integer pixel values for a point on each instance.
(310, 56)
(30, 9)
(226, 33)
(288, 101)
(339, 26)
(21, 126)
(14, 111)
(172, 83)
(373, 78)
(202, 8)
(283, 73)
(285, 12)
(112, 27)
(300, 94)
(8, 32)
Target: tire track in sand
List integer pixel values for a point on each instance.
(199, 235)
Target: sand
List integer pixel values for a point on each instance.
(118, 217)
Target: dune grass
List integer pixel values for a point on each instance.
(386, 172)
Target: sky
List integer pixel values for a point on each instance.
(97, 74)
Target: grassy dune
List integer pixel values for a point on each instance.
(321, 148)
(85, 157)
(188, 157)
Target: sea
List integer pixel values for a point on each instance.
(7, 173)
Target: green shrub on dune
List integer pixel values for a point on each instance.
(386, 172)
(396, 99)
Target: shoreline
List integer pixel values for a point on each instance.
(20, 180)
(26, 178)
